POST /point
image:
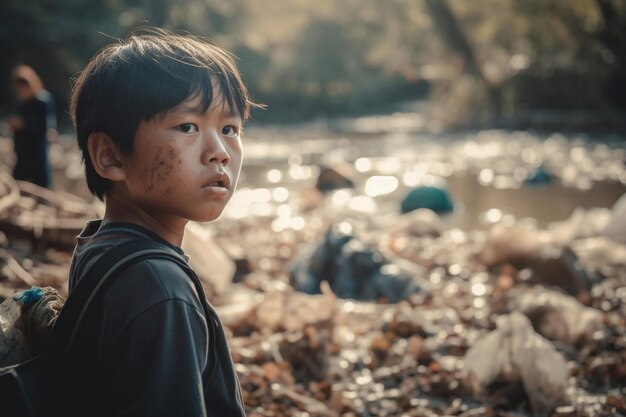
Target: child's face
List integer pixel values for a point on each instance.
(185, 164)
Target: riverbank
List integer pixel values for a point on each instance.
(324, 356)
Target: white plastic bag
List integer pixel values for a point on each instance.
(207, 258)
(562, 317)
(25, 322)
(581, 224)
(616, 226)
(12, 345)
(515, 352)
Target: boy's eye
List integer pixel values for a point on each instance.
(230, 130)
(188, 128)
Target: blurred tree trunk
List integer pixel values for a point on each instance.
(452, 35)
(613, 35)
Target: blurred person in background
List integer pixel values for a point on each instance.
(32, 127)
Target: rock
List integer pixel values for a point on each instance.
(434, 198)
(330, 179)
(381, 345)
(540, 176)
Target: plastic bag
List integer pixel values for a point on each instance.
(558, 316)
(212, 265)
(13, 348)
(25, 322)
(616, 226)
(581, 224)
(514, 352)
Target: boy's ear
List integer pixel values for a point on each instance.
(105, 156)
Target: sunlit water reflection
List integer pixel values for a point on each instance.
(484, 171)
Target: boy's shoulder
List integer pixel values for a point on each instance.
(143, 284)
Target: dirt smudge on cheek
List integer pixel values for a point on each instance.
(162, 167)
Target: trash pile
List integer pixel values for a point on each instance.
(351, 267)
(36, 213)
(38, 229)
(495, 335)
(399, 314)
(509, 321)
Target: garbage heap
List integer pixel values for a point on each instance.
(509, 321)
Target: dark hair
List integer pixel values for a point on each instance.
(145, 75)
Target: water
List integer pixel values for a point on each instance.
(482, 170)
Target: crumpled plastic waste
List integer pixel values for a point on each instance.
(516, 245)
(557, 316)
(25, 322)
(616, 226)
(12, 345)
(213, 266)
(419, 222)
(352, 268)
(600, 251)
(582, 223)
(514, 353)
(291, 311)
(29, 296)
(551, 264)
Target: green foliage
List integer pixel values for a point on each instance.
(308, 58)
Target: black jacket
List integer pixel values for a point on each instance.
(150, 354)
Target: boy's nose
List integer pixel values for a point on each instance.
(215, 152)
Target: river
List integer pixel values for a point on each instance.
(484, 171)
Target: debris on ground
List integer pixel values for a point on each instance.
(213, 266)
(557, 316)
(409, 354)
(333, 178)
(352, 268)
(514, 354)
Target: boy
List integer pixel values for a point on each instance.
(159, 121)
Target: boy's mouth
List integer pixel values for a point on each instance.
(217, 184)
(219, 180)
